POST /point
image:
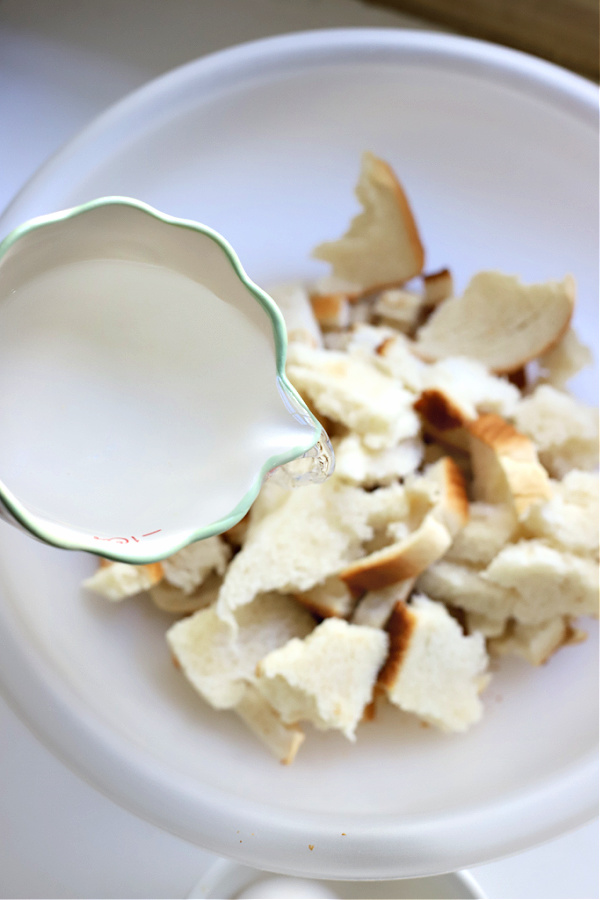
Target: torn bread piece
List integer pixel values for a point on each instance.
(332, 311)
(394, 355)
(399, 561)
(359, 465)
(528, 581)
(455, 392)
(569, 519)
(545, 581)
(564, 430)
(331, 285)
(440, 491)
(220, 661)
(301, 324)
(327, 678)
(173, 599)
(499, 321)
(382, 245)
(308, 536)
(364, 339)
(437, 286)
(438, 503)
(189, 567)
(464, 587)
(470, 387)
(330, 598)
(352, 391)
(564, 360)
(536, 643)
(505, 464)
(282, 740)
(442, 420)
(489, 529)
(117, 580)
(375, 607)
(433, 670)
(399, 309)
(486, 625)
(384, 506)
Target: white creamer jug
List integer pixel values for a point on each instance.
(143, 395)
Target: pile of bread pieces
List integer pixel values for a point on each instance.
(461, 521)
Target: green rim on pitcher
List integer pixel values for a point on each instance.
(14, 511)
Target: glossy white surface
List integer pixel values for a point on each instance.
(153, 859)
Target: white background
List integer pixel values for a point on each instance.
(61, 63)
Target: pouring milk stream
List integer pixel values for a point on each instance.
(143, 396)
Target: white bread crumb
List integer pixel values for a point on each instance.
(359, 465)
(465, 588)
(564, 360)
(330, 598)
(382, 245)
(385, 505)
(398, 308)
(489, 627)
(564, 430)
(352, 391)
(308, 536)
(499, 321)
(546, 582)
(375, 607)
(471, 387)
(399, 561)
(218, 660)
(189, 567)
(327, 678)
(569, 519)
(327, 285)
(282, 740)
(437, 286)
(528, 581)
(332, 311)
(364, 338)
(433, 669)
(489, 528)
(394, 355)
(118, 580)
(505, 464)
(442, 421)
(535, 643)
(438, 507)
(441, 491)
(173, 599)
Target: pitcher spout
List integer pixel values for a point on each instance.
(316, 464)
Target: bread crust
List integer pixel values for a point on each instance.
(331, 310)
(383, 172)
(454, 507)
(400, 628)
(429, 542)
(510, 470)
(400, 561)
(469, 325)
(365, 252)
(438, 286)
(442, 419)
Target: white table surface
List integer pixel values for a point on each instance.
(61, 63)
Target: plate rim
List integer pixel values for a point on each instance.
(127, 777)
(516, 67)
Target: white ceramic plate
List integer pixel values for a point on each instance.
(498, 152)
